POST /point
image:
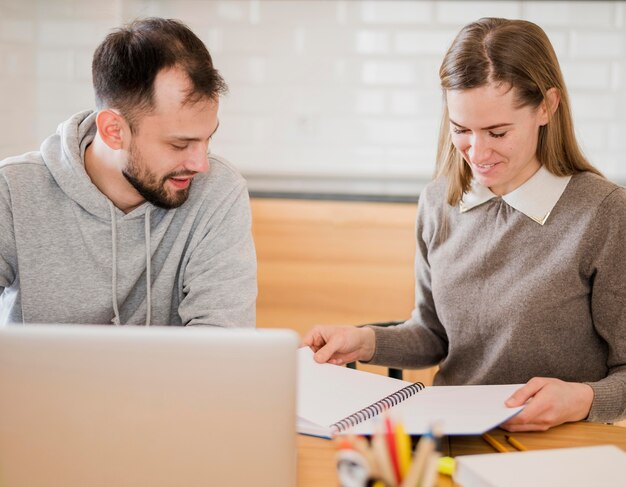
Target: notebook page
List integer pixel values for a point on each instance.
(459, 410)
(328, 393)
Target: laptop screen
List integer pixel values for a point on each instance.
(133, 406)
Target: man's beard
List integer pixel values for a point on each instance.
(150, 186)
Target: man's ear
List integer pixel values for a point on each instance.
(549, 105)
(113, 129)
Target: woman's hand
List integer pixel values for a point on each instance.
(550, 402)
(340, 344)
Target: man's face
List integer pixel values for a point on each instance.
(170, 144)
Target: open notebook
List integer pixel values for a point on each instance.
(336, 400)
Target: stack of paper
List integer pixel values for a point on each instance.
(597, 466)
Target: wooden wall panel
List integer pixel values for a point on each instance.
(334, 262)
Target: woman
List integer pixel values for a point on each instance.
(521, 244)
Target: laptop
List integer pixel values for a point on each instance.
(131, 406)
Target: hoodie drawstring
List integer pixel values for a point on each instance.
(116, 311)
(148, 260)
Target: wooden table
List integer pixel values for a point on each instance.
(316, 456)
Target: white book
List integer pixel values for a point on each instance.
(597, 466)
(338, 400)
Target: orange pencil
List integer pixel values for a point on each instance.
(495, 443)
(516, 444)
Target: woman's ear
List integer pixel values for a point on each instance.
(549, 105)
(113, 129)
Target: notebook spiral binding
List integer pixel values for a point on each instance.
(376, 408)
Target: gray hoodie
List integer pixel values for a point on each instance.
(68, 255)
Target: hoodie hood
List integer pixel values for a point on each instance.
(64, 155)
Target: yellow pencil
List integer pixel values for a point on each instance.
(403, 447)
(516, 444)
(495, 443)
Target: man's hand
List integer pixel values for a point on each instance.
(340, 344)
(550, 402)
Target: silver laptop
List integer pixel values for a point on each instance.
(131, 406)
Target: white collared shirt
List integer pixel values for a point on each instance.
(535, 198)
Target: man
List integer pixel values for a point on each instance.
(122, 216)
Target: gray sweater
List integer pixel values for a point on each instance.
(67, 255)
(503, 299)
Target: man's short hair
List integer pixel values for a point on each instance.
(127, 62)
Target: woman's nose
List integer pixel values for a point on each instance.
(479, 150)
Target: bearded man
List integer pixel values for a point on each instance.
(123, 216)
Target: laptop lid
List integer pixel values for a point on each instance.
(133, 406)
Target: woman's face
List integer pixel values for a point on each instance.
(497, 140)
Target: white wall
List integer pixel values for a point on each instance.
(326, 95)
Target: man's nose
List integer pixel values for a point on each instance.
(199, 160)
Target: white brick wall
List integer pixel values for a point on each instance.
(587, 15)
(17, 30)
(329, 95)
(395, 12)
(17, 77)
(459, 12)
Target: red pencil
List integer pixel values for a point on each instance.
(393, 451)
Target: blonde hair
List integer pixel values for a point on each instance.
(519, 54)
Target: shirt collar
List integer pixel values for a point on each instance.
(535, 198)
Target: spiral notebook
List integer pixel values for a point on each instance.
(337, 400)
